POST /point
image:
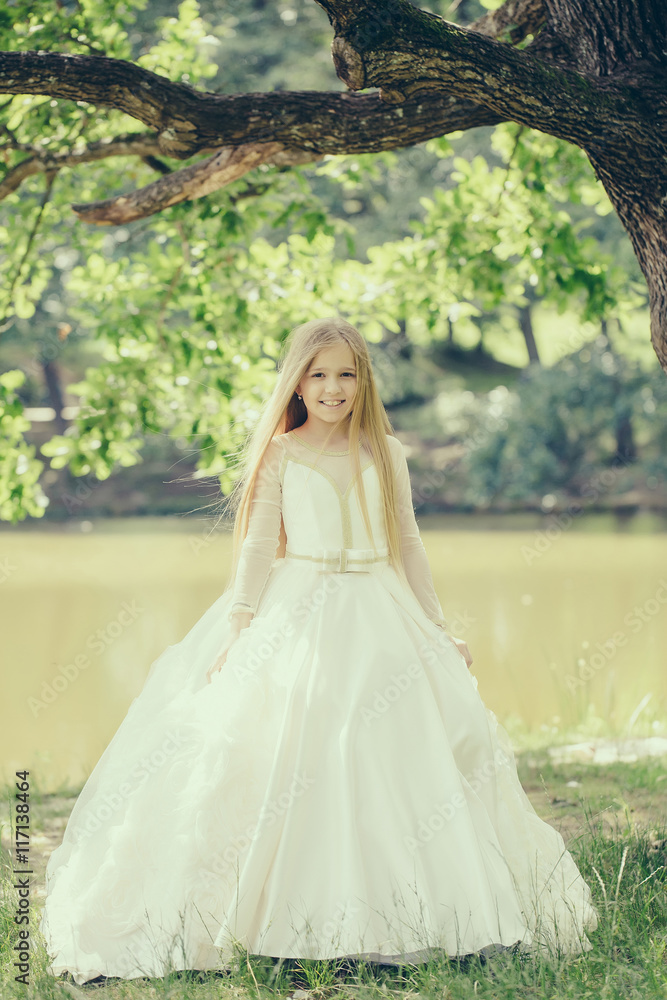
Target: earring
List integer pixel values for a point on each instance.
(300, 397)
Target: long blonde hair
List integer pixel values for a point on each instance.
(283, 411)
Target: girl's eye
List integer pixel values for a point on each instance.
(315, 375)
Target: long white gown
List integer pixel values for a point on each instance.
(338, 789)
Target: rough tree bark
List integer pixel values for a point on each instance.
(592, 72)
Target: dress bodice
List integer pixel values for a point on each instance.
(320, 500)
(306, 501)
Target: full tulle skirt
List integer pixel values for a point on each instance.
(338, 789)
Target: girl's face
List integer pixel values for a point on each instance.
(330, 384)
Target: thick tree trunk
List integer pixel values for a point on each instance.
(622, 44)
(638, 191)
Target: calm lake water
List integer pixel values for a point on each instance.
(567, 625)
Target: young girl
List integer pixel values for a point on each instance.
(311, 772)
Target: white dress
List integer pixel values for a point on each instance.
(338, 789)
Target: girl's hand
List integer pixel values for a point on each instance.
(462, 647)
(220, 661)
(218, 664)
(240, 620)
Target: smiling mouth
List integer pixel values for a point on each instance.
(332, 402)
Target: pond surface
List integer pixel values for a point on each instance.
(567, 623)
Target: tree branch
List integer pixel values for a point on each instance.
(143, 145)
(191, 182)
(296, 128)
(231, 163)
(251, 128)
(404, 50)
(188, 121)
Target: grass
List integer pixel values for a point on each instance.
(633, 795)
(614, 823)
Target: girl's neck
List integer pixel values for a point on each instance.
(319, 441)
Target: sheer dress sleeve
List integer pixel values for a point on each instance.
(415, 560)
(260, 544)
